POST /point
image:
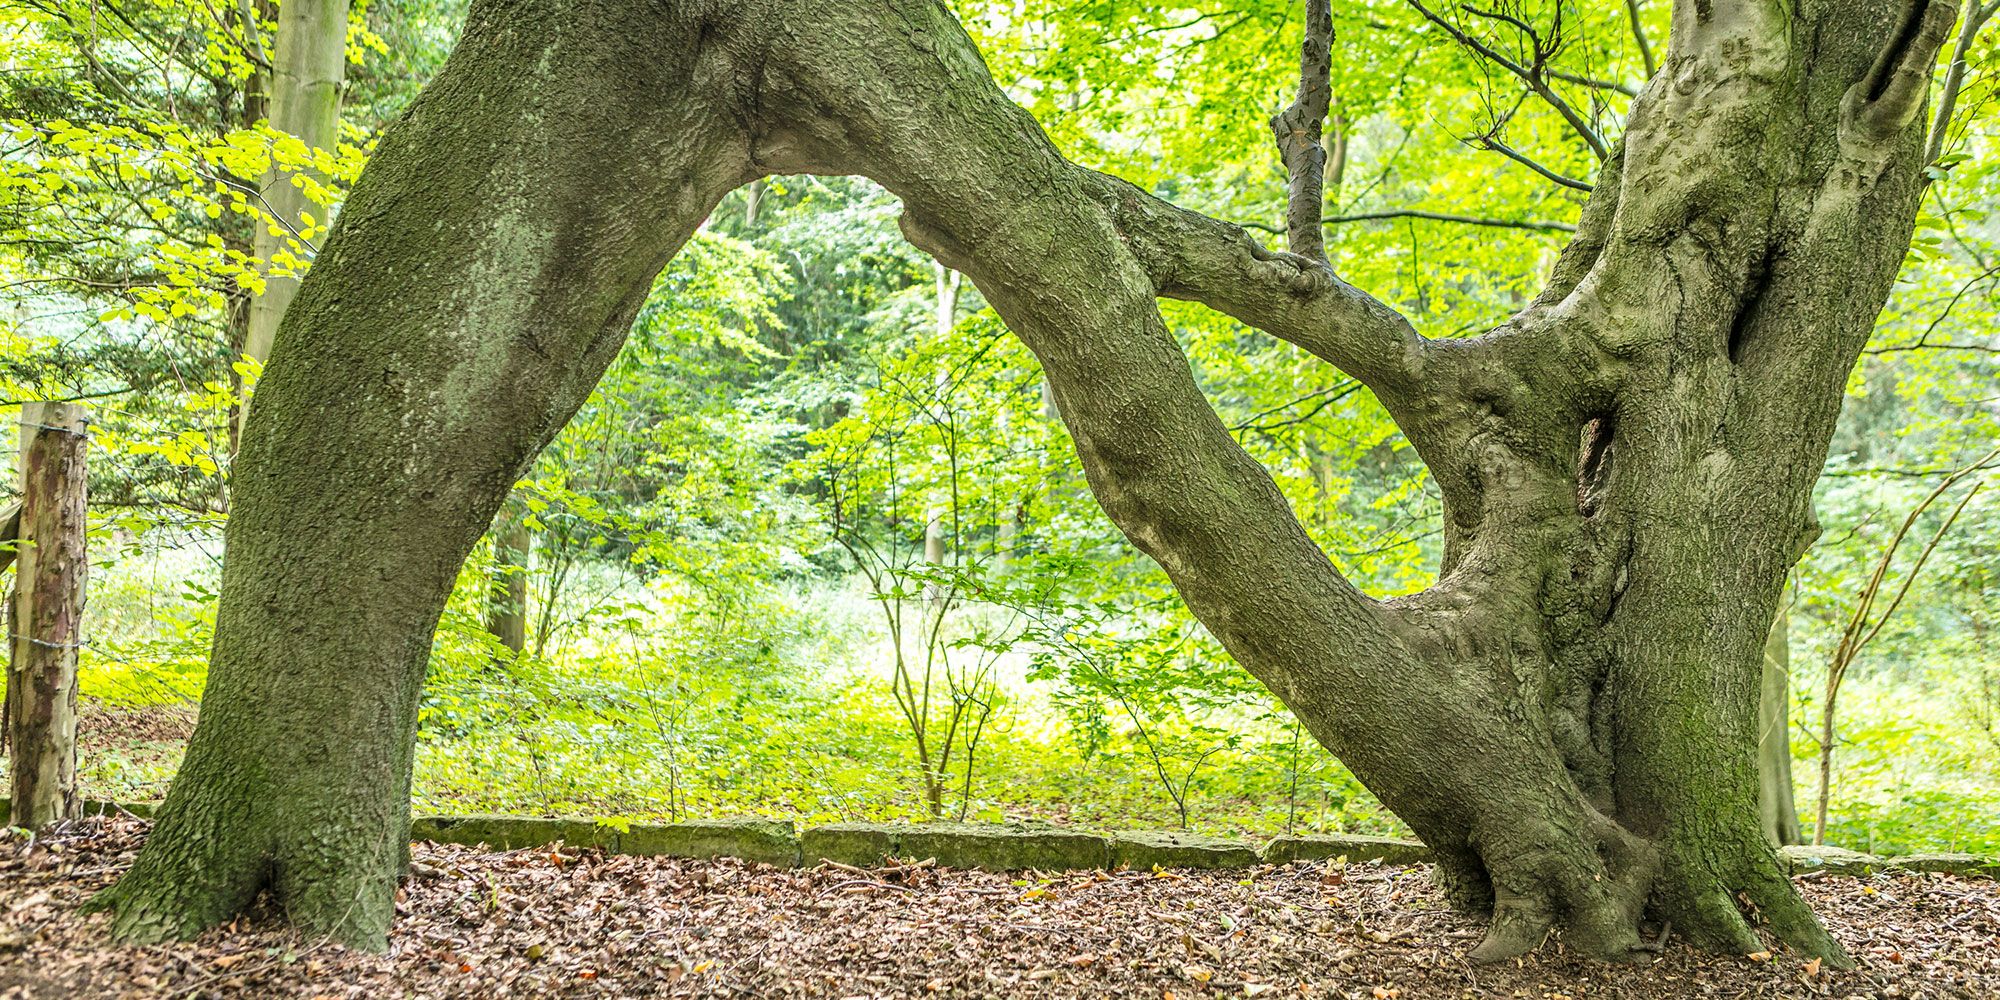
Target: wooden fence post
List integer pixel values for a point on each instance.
(47, 614)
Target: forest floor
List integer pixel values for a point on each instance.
(563, 923)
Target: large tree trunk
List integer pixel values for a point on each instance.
(481, 277)
(1569, 716)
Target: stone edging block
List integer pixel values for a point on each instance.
(773, 842)
(1355, 848)
(1149, 849)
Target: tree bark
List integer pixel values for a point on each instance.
(46, 620)
(308, 70)
(1568, 716)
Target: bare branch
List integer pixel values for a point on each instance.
(1924, 340)
(1536, 225)
(1979, 466)
(1975, 348)
(1535, 76)
(1639, 36)
(1590, 81)
(1492, 142)
(1975, 18)
(1465, 220)
(1298, 130)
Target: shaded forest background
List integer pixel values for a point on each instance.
(818, 546)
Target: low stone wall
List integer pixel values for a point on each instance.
(1018, 846)
(991, 846)
(1804, 859)
(91, 807)
(772, 842)
(1002, 846)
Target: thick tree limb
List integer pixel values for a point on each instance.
(1191, 256)
(1895, 87)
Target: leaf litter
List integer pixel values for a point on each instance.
(562, 922)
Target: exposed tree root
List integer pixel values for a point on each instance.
(1720, 905)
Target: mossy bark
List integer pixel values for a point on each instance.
(1568, 717)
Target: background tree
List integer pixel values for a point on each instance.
(307, 70)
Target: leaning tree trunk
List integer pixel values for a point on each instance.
(482, 275)
(1568, 716)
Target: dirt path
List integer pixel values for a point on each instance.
(541, 924)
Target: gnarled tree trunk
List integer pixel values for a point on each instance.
(1568, 716)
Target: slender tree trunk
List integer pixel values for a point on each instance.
(46, 619)
(1007, 509)
(935, 528)
(308, 70)
(256, 105)
(507, 591)
(753, 201)
(1774, 742)
(1568, 716)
